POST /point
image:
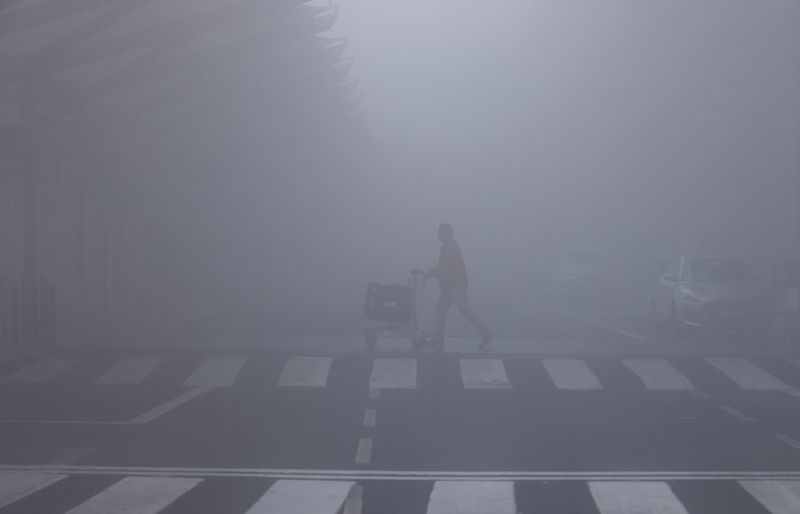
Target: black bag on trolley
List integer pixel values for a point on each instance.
(388, 303)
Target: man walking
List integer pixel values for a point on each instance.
(452, 275)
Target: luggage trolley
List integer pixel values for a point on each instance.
(395, 305)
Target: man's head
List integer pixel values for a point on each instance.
(445, 232)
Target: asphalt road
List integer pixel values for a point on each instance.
(591, 417)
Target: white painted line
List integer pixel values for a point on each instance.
(354, 503)
(15, 486)
(137, 495)
(216, 372)
(364, 451)
(303, 497)
(130, 371)
(658, 374)
(370, 417)
(472, 497)
(169, 406)
(746, 374)
(736, 413)
(484, 374)
(374, 394)
(394, 374)
(794, 443)
(306, 372)
(43, 370)
(635, 498)
(777, 497)
(571, 374)
(388, 474)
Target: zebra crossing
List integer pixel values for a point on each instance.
(154, 494)
(407, 373)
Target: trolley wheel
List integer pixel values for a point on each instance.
(371, 338)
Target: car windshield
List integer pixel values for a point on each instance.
(721, 270)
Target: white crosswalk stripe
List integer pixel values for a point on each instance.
(130, 371)
(43, 370)
(216, 372)
(635, 498)
(746, 374)
(484, 374)
(566, 374)
(306, 372)
(472, 497)
(658, 374)
(137, 495)
(777, 497)
(153, 493)
(394, 374)
(15, 486)
(571, 374)
(303, 497)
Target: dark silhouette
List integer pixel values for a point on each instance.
(452, 275)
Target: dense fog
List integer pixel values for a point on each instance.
(182, 182)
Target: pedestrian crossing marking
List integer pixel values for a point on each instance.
(303, 497)
(566, 374)
(746, 374)
(130, 371)
(306, 372)
(484, 374)
(15, 486)
(137, 495)
(355, 501)
(777, 497)
(43, 370)
(216, 372)
(472, 497)
(635, 498)
(394, 374)
(658, 374)
(571, 374)
(614, 493)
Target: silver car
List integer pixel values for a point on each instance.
(710, 293)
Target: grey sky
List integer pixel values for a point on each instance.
(620, 109)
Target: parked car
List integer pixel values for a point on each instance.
(711, 293)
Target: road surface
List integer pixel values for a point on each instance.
(593, 418)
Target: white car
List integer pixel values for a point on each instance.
(710, 293)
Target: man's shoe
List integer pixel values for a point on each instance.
(486, 341)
